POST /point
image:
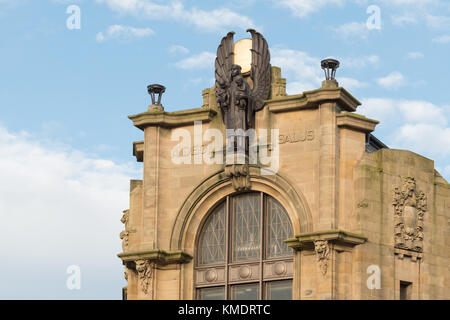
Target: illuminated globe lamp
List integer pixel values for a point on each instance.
(156, 91)
(243, 57)
(330, 66)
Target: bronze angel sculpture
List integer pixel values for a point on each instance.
(236, 99)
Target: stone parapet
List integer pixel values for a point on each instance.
(172, 119)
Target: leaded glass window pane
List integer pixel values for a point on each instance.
(212, 243)
(245, 292)
(279, 290)
(246, 224)
(279, 229)
(216, 293)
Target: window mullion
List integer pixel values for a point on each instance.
(261, 245)
(227, 240)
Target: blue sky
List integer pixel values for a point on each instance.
(66, 141)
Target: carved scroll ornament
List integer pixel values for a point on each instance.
(410, 206)
(240, 176)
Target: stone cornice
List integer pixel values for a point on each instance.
(356, 122)
(312, 99)
(160, 257)
(306, 240)
(172, 119)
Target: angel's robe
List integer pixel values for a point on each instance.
(240, 109)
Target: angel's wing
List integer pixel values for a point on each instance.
(260, 72)
(224, 60)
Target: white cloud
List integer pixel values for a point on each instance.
(302, 8)
(411, 2)
(350, 83)
(438, 22)
(12, 3)
(416, 125)
(360, 62)
(421, 112)
(411, 111)
(175, 49)
(209, 21)
(442, 39)
(202, 60)
(415, 55)
(378, 108)
(302, 71)
(424, 138)
(66, 1)
(427, 12)
(352, 30)
(393, 80)
(120, 32)
(405, 19)
(59, 207)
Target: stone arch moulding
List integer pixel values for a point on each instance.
(198, 204)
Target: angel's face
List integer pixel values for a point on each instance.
(235, 70)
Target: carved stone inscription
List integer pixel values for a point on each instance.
(299, 135)
(409, 208)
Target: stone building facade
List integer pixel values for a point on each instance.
(341, 217)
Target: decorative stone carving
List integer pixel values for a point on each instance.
(363, 204)
(211, 275)
(279, 268)
(236, 100)
(144, 268)
(322, 253)
(125, 217)
(409, 208)
(124, 234)
(240, 176)
(125, 273)
(245, 272)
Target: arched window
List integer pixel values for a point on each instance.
(241, 252)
